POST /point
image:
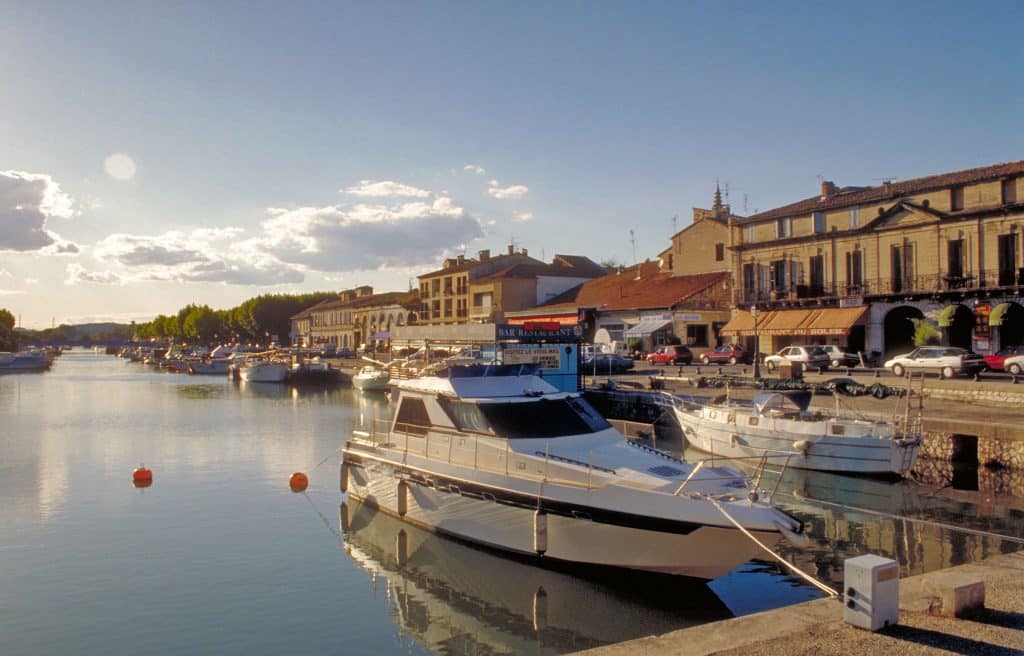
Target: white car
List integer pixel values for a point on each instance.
(839, 358)
(1014, 364)
(948, 361)
(812, 357)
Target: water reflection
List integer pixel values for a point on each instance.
(458, 599)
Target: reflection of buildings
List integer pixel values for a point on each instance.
(944, 247)
(458, 599)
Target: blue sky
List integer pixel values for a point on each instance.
(287, 147)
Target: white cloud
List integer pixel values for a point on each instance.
(475, 169)
(27, 200)
(522, 217)
(385, 188)
(77, 274)
(512, 191)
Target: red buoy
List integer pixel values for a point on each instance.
(142, 476)
(298, 482)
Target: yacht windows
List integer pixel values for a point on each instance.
(412, 417)
(545, 418)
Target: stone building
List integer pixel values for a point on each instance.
(702, 246)
(356, 317)
(862, 266)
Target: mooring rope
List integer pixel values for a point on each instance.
(929, 522)
(793, 568)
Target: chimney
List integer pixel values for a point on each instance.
(828, 189)
(524, 252)
(461, 260)
(511, 249)
(484, 255)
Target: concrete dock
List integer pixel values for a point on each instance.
(817, 627)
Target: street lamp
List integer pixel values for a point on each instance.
(757, 343)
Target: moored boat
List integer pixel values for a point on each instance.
(24, 361)
(781, 427)
(499, 457)
(371, 378)
(314, 372)
(260, 370)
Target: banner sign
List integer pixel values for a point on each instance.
(534, 333)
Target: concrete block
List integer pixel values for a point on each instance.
(955, 594)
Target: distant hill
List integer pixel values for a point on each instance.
(73, 334)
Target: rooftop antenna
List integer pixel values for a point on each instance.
(745, 203)
(675, 218)
(632, 240)
(726, 193)
(820, 176)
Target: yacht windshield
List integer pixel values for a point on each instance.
(544, 418)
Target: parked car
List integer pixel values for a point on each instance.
(605, 363)
(671, 354)
(725, 354)
(996, 361)
(812, 357)
(839, 358)
(1014, 364)
(328, 351)
(948, 361)
(344, 352)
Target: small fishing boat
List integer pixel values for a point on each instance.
(498, 456)
(782, 427)
(371, 378)
(209, 366)
(24, 361)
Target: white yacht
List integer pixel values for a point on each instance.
(371, 378)
(262, 370)
(499, 457)
(781, 427)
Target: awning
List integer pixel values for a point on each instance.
(998, 313)
(646, 327)
(947, 315)
(826, 321)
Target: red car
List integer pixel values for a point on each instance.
(995, 361)
(673, 354)
(725, 354)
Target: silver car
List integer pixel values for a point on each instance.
(948, 361)
(812, 357)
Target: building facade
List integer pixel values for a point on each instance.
(356, 317)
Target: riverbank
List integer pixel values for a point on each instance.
(817, 627)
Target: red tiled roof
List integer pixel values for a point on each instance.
(625, 290)
(858, 195)
(564, 269)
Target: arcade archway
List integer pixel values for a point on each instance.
(899, 329)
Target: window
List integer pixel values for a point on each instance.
(697, 334)
(783, 228)
(819, 222)
(854, 270)
(748, 234)
(545, 418)
(817, 267)
(854, 217)
(749, 281)
(955, 259)
(1009, 188)
(956, 198)
(779, 275)
(1007, 254)
(615, 331)
(482, 299)
(719, 252)
(412, 417)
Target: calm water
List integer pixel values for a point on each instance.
(219, 557)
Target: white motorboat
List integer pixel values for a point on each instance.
(499, 457)
(371, 378)
(209, 366)
(24, 361)
(260, 370)
(782, 427)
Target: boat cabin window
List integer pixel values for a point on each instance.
(412, 417)
(544, 418)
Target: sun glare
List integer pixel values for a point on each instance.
(119, 166)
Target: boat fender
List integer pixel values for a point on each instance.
(802, 446)
(403, 498)
(540, 531)
(402, 548)
(344, 476)
(798, 540)
(540, 609)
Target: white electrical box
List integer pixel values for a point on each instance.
(872, 592)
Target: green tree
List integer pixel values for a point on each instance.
(8, 338)
(202, 324)
(926, 334)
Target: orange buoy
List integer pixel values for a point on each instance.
(142, 476)
(298, 482)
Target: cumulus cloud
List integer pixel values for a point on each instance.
(337, 238)
(476, 169)
(385, 188)
(27, 200)
(522, 217)
(78, 274)
(202, 255)
(511, 191)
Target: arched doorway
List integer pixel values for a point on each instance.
(899, 329)
(960, 325)
(1011, 330)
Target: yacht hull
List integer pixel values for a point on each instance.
(506, 518)
(264, 373)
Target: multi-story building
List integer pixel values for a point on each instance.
(865, 265)
(356, 317)
(702, 246)
(482, 290)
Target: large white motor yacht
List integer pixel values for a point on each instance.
(497, 456)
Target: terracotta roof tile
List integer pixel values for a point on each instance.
(653, 288)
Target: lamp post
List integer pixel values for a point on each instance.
(757, 343)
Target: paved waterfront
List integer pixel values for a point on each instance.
(817, 628)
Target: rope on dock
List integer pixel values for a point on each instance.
(929, 522)
(793, 568)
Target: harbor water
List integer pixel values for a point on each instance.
(218, 556)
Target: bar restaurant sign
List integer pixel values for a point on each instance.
(537, 331)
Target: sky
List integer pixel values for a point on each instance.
(158, 154)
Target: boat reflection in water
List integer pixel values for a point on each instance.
(924, 528)
(455, 598)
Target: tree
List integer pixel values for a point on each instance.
(202, 324)
(926, 333)
(8, 338)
